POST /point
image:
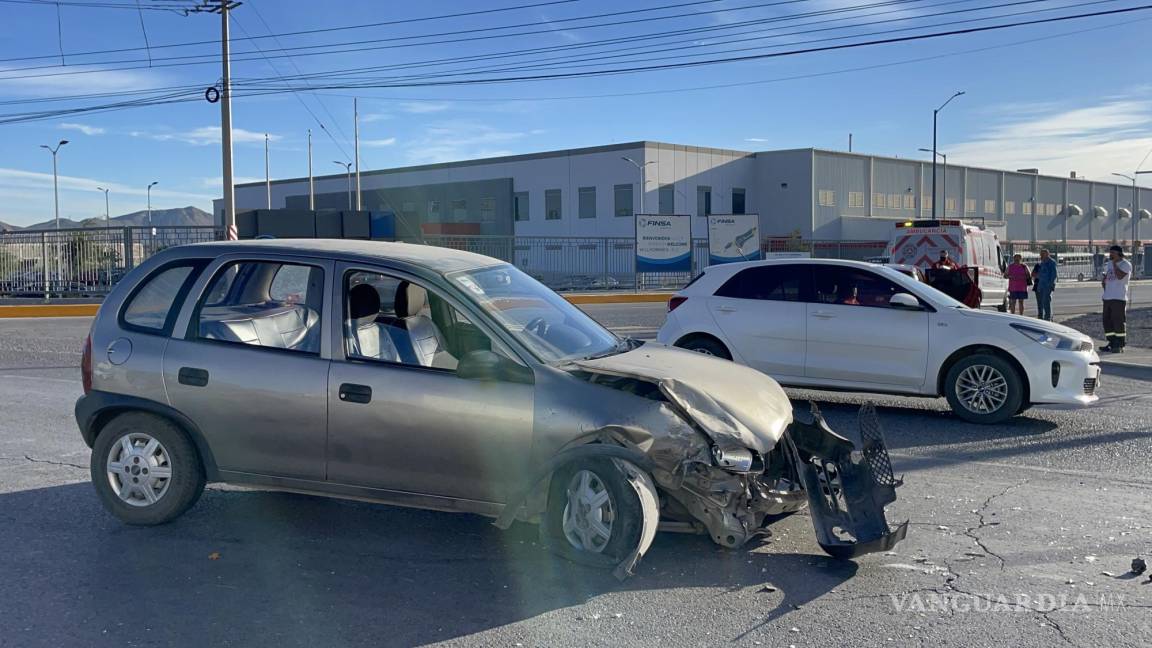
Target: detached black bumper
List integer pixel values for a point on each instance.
(848, 486)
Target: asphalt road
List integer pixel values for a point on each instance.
(643, 320)
(1014, 528)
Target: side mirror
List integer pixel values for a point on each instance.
(905, 301)
(489, 366)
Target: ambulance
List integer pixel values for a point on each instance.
(978, 282)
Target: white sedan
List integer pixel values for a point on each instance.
(855, 326)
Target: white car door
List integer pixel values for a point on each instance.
(760, 310)
(855, 336)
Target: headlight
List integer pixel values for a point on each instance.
(734, 459)
(1048, 338)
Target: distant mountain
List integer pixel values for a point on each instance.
(160, 217)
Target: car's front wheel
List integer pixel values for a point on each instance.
(984, 388)
(705, 345)
(145, 469)
(594, 515)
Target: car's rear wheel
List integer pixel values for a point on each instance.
(984, 388)
(145, 469)
(705, 345)
(594, 515)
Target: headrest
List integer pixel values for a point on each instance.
(410, 299)
(363, 303)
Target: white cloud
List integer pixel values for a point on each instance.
(1094, 141)
(368, 118)
(758, 140)
(461, 140)
(424, 107)
(83, 128)
(378, 143)
(81, 79)
(205, 135)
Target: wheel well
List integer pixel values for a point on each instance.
(106, 415)
(982, 348)
(684, 339)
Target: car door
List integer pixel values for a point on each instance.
(400, 418)
(856, 336)
(760, 311)
(250, 368)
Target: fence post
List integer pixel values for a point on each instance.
(44, 262)
(129, 260)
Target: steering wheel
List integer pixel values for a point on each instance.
(538, 326)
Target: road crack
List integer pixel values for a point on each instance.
(45, 461)
(982, 524)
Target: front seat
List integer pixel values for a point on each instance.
(427, 341)
(366, 338)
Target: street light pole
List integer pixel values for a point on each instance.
(944, 182)
(348, 170)
(267, 173)
(935, 113)
(107, 222)
(311, 186)
(149, 192)
(642, 168)
(1135, 202)
(56, 203)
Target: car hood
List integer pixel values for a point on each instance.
(1006, 318)
(732, 404)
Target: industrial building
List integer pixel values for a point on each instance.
(810, 194)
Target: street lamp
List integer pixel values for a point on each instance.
(643, 177)
(347, 169)
(944, 184)
(934, 114)
(1135, 199)
(56, 202)
(106, 215)
(149, 191)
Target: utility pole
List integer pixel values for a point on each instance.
(643, 177)
(347, 169)
(311, 186)
(934, 154)
(267, 173)
(356, 146)
(222, 7)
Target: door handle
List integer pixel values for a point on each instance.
(351, 393)
(726, 309)
(822, 315)
(193, 377)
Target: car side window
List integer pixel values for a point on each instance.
(394, 320)
(766, 283)
(149, 309)
(264, 303)
(852, 287)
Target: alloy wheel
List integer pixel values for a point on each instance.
(982, 389)
(139, 469)
(589, 514)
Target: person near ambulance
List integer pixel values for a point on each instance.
(1018, 280)
(1044, 284)
(1117, 272)
(945, 262)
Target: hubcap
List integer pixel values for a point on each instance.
(703, 351)
(139, 469)
(982, 389)
(589, 513)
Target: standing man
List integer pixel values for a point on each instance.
(1117, 272)
(944, 262)
(1044, 283)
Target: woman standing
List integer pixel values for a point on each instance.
(1018, 279)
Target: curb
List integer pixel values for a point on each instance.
(620, 298)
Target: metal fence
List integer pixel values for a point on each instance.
(82, 261)
(1076, 262)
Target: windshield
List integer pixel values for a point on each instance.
(540, 319)
(924, 290)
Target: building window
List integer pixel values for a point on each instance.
(949, 204)
(459, 210)
(827, 198)
(738, 201)
(703, 200)
(970, 205)
(894, 201)
(667, 195)
(552, 209)
(879, 200)
(989, 206)
(487, 210)
(909, 201)
(1026, 208)
(1009, 207)
(434, 211)
(926, 203)
(587, 200)
(855, 198)
(622, 197)
(520, 205)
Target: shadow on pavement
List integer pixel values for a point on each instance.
(259, 568)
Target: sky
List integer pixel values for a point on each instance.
(1061, 97)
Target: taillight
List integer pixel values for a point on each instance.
(675, 302)
(86, 365)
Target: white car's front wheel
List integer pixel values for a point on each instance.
(984, 388)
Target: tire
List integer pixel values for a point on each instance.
(624, 524)
(706, 345)
(997, 376)
(123, 448)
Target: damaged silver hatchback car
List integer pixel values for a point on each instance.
(434, 378)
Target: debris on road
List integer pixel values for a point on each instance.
(1139, 566)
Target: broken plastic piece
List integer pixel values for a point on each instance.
(1139, 566)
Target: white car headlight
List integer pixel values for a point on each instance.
(1048, 338)
(734, 459)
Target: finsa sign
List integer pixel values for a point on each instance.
(663, 243)
(733, 237)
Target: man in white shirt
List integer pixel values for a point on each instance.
(1117, 272)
